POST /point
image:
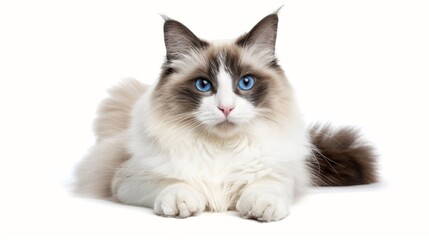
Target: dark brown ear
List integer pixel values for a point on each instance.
(179, 39)
(263, 35)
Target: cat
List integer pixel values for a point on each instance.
(220, 130)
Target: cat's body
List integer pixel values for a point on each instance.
(219, 131)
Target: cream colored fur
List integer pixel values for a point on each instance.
(114, 112)
(96, 171)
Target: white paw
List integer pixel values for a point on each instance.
(263, 207)
(179, 200)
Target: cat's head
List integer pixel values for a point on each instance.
(221, 89)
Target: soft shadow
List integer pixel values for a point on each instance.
(358, 188)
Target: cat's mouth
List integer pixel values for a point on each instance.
(226, 124)
(225, 129)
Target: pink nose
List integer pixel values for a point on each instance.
(226, 110)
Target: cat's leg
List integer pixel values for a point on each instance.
(266, 200)
(166, 197)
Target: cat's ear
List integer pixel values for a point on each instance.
(263, 35)
(179, 40)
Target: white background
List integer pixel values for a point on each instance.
(363, 63)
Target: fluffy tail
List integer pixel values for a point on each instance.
(95, 173)
(114, 112)
(341, 158)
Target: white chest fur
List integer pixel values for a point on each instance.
(219, 172)
(217, 169)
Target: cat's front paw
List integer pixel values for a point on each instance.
(179, 201)
(263, 207)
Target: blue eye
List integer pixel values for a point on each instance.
(203, 85)
(246, 83)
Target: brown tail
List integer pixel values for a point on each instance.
(341, 158)
(114, 112)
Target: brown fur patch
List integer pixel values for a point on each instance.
(341, 158)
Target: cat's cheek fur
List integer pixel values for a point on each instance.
(244, 111)
(209, 114)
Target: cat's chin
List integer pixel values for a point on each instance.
(227, 125)
(225, 129)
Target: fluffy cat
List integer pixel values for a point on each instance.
(219, 131)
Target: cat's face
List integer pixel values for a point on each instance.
(220, 88)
